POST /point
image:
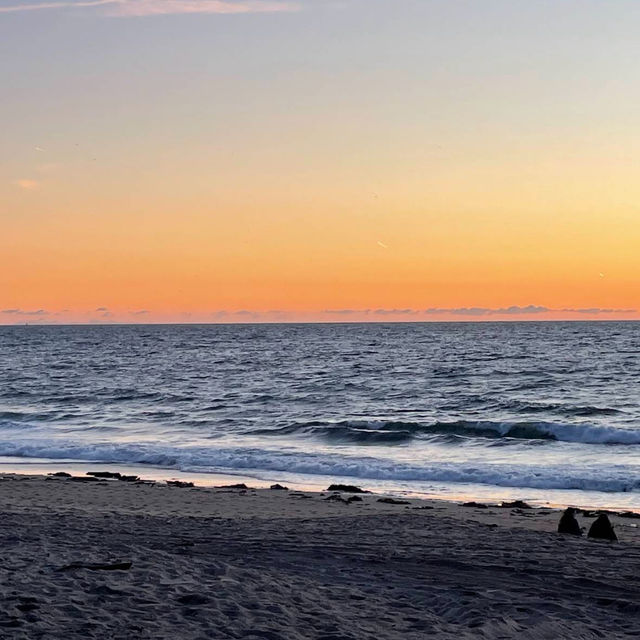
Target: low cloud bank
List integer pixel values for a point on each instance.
(513, 310)
(106, 315)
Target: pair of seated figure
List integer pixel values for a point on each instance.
(601, 527)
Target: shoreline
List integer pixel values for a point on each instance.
(446, 493)
(108, 558)
(490, 512)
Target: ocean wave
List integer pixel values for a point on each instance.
(614, 478)
(395, 431)
(560, 409)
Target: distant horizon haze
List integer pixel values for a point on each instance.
(13, 317)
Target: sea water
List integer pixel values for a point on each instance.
(546, 411)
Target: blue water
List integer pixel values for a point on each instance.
(549, 411)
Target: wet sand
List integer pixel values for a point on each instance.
(232, 563)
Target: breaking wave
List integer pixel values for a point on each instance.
(397, 432)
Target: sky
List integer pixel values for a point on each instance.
(319, 160)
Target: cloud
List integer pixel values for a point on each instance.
(138, 8)
(21, 312)
(395, 312)
(597, 310)
(140, 312)
(345, 312)
(52, 5)
(244, 315)
(165, 7)
(29, 185)
(101, 309)
(513, 310)
(516, 310)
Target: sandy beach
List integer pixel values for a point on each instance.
(270, 564)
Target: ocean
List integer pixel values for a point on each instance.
(547, 412)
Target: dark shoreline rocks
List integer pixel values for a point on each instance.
(516, 504)
(392, 501)
(628, 514)
(346, 488)
(336, 497)
(240, 485)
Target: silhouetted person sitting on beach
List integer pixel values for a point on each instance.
(568, 523)
(603, 529)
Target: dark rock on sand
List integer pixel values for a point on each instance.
(240, 485)
(629, 514)
(392, 501)
(83, 479)
(477, 505)
(347, 488)
(516, 504)
(60, 474)
(179, 483)
(602, 529)
(568, 523)
(104, 474)
(278, 487)
(129, 478)
(336, 497)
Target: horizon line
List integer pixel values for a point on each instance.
(320, 322)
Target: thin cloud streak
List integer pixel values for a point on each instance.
(55, 5)
(22, 312)
(140, 8)
(27, 185)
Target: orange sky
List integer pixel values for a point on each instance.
(369, 177)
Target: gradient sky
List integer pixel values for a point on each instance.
(197, 160)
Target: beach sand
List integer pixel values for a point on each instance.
(267, 564)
